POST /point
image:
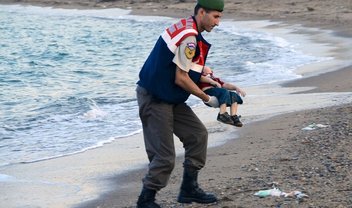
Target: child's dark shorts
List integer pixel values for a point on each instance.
(224, 96)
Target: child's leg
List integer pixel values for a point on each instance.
(233, 109)
(223, 96)
(235, 99)
(222, 108)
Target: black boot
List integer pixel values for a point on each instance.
(190, 191)
(147, 199)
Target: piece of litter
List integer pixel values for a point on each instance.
(314, 126)
(269, 192)
(277, 192)
(296, 194)
(321, 125)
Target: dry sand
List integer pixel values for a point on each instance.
(274, 151)
(277, 150)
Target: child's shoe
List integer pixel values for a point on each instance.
(225, 118)
(236, 121)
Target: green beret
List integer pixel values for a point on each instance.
(217, 5)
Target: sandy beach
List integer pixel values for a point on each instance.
(272, 149)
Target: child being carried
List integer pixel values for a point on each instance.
(228, 95)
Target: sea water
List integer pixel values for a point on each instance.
(68, 77)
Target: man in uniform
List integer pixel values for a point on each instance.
(168, 77)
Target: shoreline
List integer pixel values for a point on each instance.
(109, 199)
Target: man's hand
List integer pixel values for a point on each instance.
(213, 102)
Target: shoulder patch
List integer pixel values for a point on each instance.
(190, 50)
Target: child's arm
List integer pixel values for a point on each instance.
(208, 80)
(234, 87)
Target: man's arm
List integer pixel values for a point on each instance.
(183, 60)
(183, 80)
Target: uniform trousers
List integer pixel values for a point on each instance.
(160, 121)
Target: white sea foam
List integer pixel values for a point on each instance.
(6, 178)
(95, 113)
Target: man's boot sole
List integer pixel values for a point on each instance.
(189, 200)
